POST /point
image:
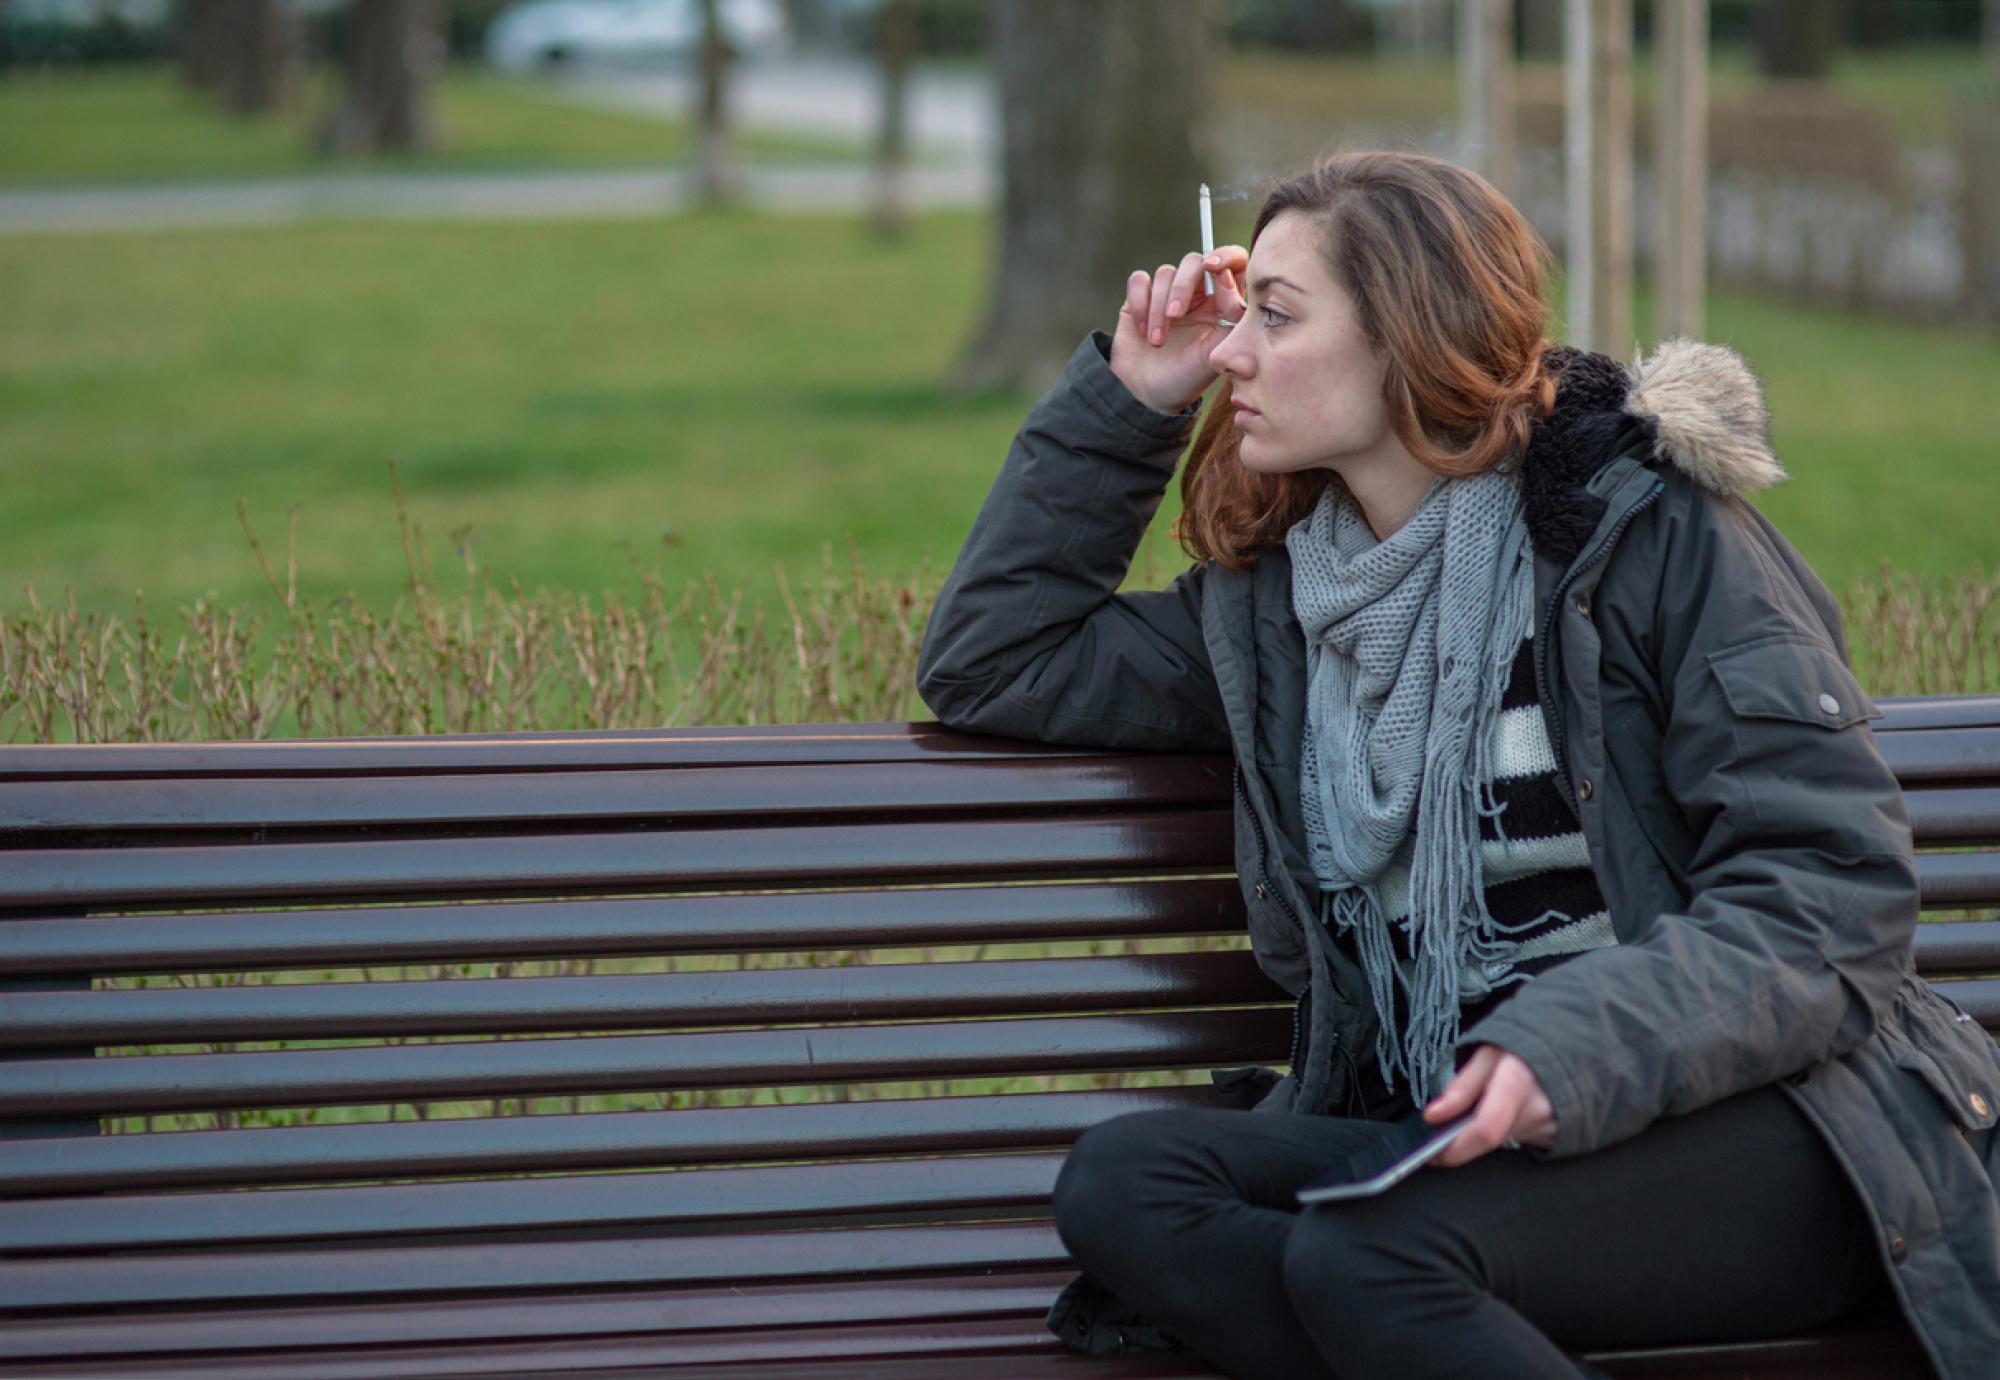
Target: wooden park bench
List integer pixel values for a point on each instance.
(964, 947)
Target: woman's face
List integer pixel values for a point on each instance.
(1305, 382)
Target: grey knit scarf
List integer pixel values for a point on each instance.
(1410, 643)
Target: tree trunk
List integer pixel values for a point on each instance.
(1486, 90)
(201, 49)
(259, 41)
(892, 153)
(1101, 107)
(1542, 30)
(1979, 207)
(718, 168)
(1680, 162)
(1797, 38)
(395, 49)
(1598, 120)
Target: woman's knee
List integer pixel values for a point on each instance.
(1094, 1194)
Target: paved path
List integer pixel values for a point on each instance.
(457, 196)
(951, 109)
(952, 134)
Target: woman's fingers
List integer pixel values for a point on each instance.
(1187, 282)
(1156, 314)
(1463, 1090)
(1171, 293)
(1507, 1101)
(1138, 291)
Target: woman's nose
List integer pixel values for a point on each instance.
(1227, 358)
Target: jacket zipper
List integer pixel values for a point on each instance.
(1550, 706)
(1267, 891)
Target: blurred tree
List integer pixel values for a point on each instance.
(1797, 38)
(718, 167)
(262, 39)
(1300, 25)
(896, 47)
(199, 25)
(813, 23)
(244, 52)
(1100, 109)
(391, 58)
(1542, 30)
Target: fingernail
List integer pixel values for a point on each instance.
(1158, 336)
(1173, 309)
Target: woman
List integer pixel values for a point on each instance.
(1556, 803)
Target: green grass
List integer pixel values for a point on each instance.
(143, 124)
(722, 392)
(1920, 90)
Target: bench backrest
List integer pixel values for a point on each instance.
(718, 986)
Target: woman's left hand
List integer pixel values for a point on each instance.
(1506, 1100)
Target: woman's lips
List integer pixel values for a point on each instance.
(1243, 413)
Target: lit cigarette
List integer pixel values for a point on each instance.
(1207, 238)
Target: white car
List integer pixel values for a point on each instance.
(550, 33)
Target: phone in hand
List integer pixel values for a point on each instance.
(1406, 1147)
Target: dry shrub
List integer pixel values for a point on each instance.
(1910, 636)
(485, 661)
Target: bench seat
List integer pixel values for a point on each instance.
(744, 1052)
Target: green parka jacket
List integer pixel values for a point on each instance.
(1752, 846)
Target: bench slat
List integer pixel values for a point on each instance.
(697, 859)
(392, 1271)
(626, 1204)
(1867, 1347)
(615, 1063)
(487, 930)
(1966, 756)
(1965, 816)
(586, 1140)
(779, 744)
(305, 1327)
(1957, 947)
(939, 1344)
(1958, 879)
(686, 859)
(1937, 711)
(350, 1010)
(711, 794)
(609, 749)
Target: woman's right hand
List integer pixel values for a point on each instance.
(1170, 323)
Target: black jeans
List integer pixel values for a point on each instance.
(1731, 1223)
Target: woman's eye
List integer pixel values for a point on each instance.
(1273, 317)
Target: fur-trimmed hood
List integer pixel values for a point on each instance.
(1693, 406)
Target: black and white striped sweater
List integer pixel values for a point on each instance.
(1540, 872)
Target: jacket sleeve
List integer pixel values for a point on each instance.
(1029, 637)
(1803, 882)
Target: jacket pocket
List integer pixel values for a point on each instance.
(1952, 1055)
(1792, 678)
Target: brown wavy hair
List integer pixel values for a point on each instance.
(1448, 283)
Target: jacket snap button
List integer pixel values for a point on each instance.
(1583, 789)
(1829, 704)
(1583, 606)
(1978, 1105)
(1899, 1249)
